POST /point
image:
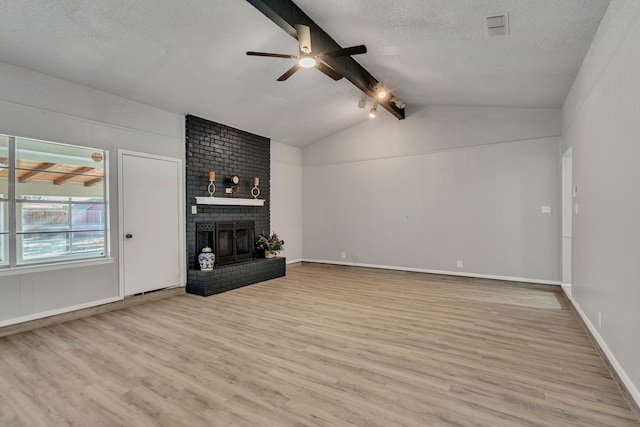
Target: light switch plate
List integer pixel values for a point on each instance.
(546, 209)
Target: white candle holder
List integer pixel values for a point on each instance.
(255, 191)
(211, 188)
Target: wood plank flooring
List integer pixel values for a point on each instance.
(324, 346)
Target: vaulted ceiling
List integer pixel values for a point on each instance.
(189, 57)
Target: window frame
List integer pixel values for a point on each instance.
(16, 262)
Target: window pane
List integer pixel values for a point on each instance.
(4, 249)
(43, 246)
(43, 216)
(88, 216)
(4, 218)
(4, 167)
(58, 170)
(88, 242)
(40, 247)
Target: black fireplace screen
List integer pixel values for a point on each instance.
(231, 241)
(234, 241)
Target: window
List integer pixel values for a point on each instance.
(52, 202)
(4, 200)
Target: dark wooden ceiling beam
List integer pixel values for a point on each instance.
(93, 182)
(286, 15)
(70, 176)
(37, 170)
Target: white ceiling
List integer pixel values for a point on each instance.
(189, 56)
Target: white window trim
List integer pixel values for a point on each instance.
(62, 265)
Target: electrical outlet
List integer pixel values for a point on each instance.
(599, 319)
(343, 255)
(546, 209)
(194, 209)
(459, 263)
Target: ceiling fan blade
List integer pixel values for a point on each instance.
(322, 66)
(271, 55)
(289, 73)
(304, 38)
(347, 51)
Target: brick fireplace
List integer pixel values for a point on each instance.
(215, 147)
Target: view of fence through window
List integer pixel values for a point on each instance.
(57, 202)
(56, 229)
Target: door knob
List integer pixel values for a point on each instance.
(128, 235)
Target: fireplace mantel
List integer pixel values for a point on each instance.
(229, 201)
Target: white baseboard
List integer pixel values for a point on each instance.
(449, 273)
(42, 314)
(294, 261)
(633, 390)
(566, 287)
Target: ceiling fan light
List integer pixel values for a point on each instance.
(307, 62)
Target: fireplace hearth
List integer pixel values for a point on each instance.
(233, 243)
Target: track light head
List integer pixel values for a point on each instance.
(363, 101)
(381, 92)
(398, 103)
(374, 110)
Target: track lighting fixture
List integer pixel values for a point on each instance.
(363, 101)
(374, 110)
(381, 92)
(398, 103)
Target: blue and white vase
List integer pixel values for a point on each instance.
(206, 259)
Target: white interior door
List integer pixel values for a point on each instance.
(151, 223)
(567, 213)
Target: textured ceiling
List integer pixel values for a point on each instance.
(189, 56)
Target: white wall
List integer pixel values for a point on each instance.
(602, 126)
(447, 184)
(286, 198)
(37, 106)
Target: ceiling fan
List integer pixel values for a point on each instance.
(307, 59)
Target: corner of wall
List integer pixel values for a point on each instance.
(612, 31)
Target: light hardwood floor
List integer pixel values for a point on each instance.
(326, 345)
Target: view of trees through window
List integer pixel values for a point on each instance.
(53, 202)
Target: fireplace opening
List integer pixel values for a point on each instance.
(231, 241)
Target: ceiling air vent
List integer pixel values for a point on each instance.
(498, 25)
